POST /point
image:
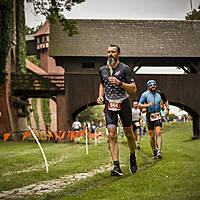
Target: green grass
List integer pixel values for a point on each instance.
(35, 112)
(46, 112)
(176, 176)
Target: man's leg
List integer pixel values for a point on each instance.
(152, 139)
(131, 143)
(113, 146)
(114, 150)
(131, 138)
(126, 118)
(153, 143)
(138, 137)
(159, 141)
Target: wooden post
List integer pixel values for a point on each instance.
(196, 134)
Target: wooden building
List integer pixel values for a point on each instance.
(143, 43)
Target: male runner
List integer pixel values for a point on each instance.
(153, 103)
(136, 116)
(76, 127)
(116, 81)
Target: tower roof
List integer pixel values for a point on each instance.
(44, 30)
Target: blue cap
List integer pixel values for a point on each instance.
(150, 82)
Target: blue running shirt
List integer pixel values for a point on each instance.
(148, 97)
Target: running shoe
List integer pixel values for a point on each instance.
(116, 171)
(138, 146)
(155, 154)
(133, 164)
(159, 154)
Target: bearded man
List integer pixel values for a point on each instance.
(151, 100)
(116, 81)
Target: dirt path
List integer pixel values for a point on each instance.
(63, 182)
(50, 185)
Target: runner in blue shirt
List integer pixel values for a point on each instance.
(151, 100)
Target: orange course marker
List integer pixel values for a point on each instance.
(25, 135)
(6, 136)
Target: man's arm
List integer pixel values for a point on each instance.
(142, 103)
(141, 106)
(167, 107)
(164, 102)
(130, 87)
(100, 99)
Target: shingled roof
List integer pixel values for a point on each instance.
(44, 30)
(137, 38)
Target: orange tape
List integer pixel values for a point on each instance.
(6, 136)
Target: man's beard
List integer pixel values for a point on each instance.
(111, 61)
(152, 89)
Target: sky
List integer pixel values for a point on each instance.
(123, 9)
(126, 9)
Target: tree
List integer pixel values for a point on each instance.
(91, 113)
(30, 31)
(194, 15)
(53, 10)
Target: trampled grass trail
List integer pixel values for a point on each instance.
(75, 175)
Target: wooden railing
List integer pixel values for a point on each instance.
(30, 85)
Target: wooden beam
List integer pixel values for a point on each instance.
(138, 67)
(195, 67)
(184, 69)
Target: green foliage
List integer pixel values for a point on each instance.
(29, 120)
(20, 33)
(34, 60)
(172, 117)
(194, 15)
(32, 30)
(69, 25)
(92, 113)
(29, 30)
(6, 34)
(54, 9)
(46, 113)
(35, 112)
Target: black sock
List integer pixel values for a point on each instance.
(116, 163)
(132, 155)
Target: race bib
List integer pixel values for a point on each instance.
(114, 105)
(155, 116)
(137, 124)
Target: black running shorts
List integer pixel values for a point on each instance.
(125, 114)
(134, 125)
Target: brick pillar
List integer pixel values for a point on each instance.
(61, 113)
(5, 125)
(64, 116)
(44, 59)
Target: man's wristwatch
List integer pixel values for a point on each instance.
(120, 83)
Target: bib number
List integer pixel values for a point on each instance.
(114, 105)
(155, 116)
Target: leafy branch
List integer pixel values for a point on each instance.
(54, 11)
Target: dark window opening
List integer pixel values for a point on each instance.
(87, 65)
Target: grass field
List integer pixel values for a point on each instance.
(74, 175)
